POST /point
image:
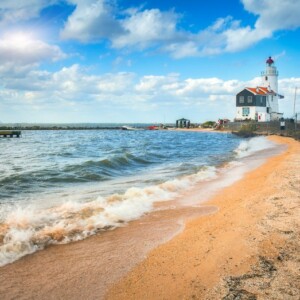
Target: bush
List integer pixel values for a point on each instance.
(208, 124)
(247, 130)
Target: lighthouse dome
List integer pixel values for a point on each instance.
(270, 61)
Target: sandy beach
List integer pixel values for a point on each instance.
(249, 249)
(243, 243)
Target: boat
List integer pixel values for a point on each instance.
(130, 128)
(153, 127)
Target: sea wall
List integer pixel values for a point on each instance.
(292, 129)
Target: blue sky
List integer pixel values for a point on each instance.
(134, 61)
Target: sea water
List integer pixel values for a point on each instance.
(63, 186)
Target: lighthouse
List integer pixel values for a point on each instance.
(260, 103)
(270, 76)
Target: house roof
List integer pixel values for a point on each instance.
(182, 119)
(260, 90)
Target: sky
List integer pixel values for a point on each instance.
(116, 61)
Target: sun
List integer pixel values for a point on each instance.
(19, 39)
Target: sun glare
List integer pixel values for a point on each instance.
(19, 39)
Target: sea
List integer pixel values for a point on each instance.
(62, 186)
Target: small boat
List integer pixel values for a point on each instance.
(130, 128)
(153, 127)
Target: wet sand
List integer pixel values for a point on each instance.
(85, 269)
(249, 249)
(158, 257)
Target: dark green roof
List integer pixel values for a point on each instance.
(182, 119)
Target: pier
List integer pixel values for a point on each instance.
(10, 133)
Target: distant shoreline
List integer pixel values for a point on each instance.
(79, 126)
(38, 128)
(57, 128)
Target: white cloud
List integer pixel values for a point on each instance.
(181, 50)
(224, 35)
(12, 11)
(95, 20)
(72, 90)
(208, 86)
(120, 61)
(115, 84)
(12, 70)
(19, 49)
(70, 84)
(156, 84)
(274, 14)
(145, 28)
(243, 38)
(139, 28)
(92, 20)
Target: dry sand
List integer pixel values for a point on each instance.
(249, 249)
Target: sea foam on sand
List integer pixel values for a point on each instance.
(28, 229)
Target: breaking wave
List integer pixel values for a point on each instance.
(252, 146)
(26, 230)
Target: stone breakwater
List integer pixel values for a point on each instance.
(60, 128)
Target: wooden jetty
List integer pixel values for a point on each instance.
(10, 133)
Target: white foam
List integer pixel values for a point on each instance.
(253, 145)
(28, 229)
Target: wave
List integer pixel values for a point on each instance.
(24, 230)
(85, 171)
(28, 229)
(113, 162)
(252, 146)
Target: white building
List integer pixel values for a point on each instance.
(260, 103)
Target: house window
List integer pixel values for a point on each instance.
(242, 99)
(249, 99)
(246, 111)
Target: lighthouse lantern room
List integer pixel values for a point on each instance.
(260, 103)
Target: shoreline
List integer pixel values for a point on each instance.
(85, 269)
(203, 130)
(249, 248)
